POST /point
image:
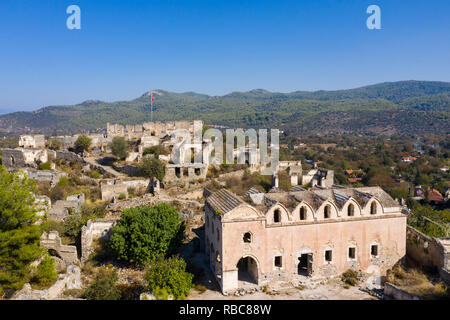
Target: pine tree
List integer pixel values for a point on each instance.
(19, 235)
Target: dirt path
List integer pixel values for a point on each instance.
(109, 170)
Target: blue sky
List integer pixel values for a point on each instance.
(215, 47)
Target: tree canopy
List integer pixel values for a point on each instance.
(152, 168)
(171, 275)
(19, 235)
(144, 233)
(82, 143)
(119, 147)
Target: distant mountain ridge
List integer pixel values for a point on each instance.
(404, 107)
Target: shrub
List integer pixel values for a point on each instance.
(156, 151)
(169, 274)
(152, 168)
(45, 166)
(161, 294)
(122, 196)
(119, 147)
(76, 220)
(93, 174)
(82, 143)
(104, 288)
(55, 144)
(46, 273)
(144, 233)
(350, 277)
(200, 288)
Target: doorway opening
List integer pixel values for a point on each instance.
(305, 263)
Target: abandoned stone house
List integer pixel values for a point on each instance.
(112, 189)
(317, 177)
(32, 141)
(293, 236)
(152, 129)
(20, 157)
(61, 208)
(50, 176)
(185, 172)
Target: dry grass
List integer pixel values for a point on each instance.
(416, 282)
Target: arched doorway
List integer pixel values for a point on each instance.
(247, 270)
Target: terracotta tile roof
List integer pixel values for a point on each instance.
(435, 196)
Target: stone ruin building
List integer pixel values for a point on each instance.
(32, 141)
(152, 129)
(21, 157)
(300, 235)
(317, 177)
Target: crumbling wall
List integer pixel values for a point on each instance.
(68, 156)
(94, 229)
(113, 189)
(51, 176)
(61, 208)
(424, 251)
(52, 241)
(13, 158)
(43, 205)
(395, 292)
(70, 280)
(129, 170)
(185, 172)
(32, 141)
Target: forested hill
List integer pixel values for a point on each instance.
(405, 107)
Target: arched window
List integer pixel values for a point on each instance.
(247, 237)
(302, 213)
(327, 211)
(351, 210)
(373, 208)
(277, 216)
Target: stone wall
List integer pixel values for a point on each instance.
(127, 169)
(52, 241)
(395, 292)
(113, 189)
(94, 229)
(51, 176)
(20, 158)
(156, 129)
(32, 141)
(424, 251)
(43, 205)
(68, 156)
(70, 280)
(185, 172)
(61, 208)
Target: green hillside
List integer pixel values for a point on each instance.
(406, 107)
